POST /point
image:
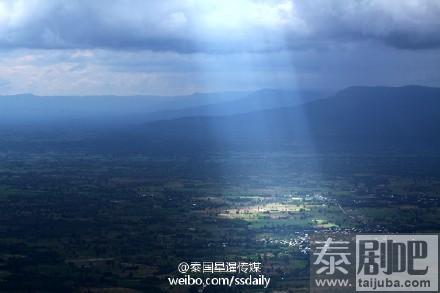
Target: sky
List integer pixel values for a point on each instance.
(127, 47)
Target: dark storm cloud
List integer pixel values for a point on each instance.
(90, 24)
(404, 40)
(403, 24)
(185, 46)
(216, 26)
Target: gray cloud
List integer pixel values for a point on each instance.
(182, 46)
(89, 24)
(217, 26)
(404, 24)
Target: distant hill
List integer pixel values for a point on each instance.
(386, 118)
(355, 119)
(31, 108)
(255, 101)
(26, 108)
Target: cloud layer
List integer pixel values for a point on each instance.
(219, 26)
(182, 46)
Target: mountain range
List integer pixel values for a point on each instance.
(27, 108)
(354, 119)
(386, 118)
